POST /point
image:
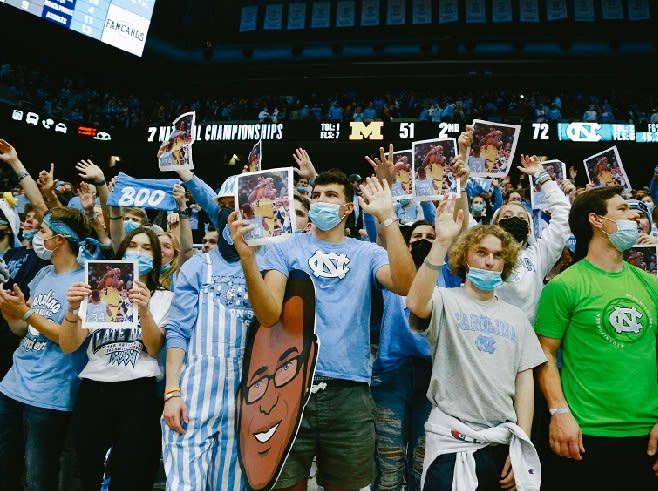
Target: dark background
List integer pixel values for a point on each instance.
(195, 47)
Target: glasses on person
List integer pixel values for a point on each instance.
(285, 374)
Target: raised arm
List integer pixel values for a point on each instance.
(376, 200)
(266, 293)
(447, 227)
(9, 155)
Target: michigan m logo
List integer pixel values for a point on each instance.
(371, 131)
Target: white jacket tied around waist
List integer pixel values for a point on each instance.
(439, 440)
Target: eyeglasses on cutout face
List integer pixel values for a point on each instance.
(283, 375)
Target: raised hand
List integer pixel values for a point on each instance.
(179, 196)
(46, 180)
(7, 152)
(376, 199)
(465, 141)
(383, 166)
(87, 198)
(530, 165)
(89, 171)
(239, 227)
(446, 226)
(306, 167)
(461, 170)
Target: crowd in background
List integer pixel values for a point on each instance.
(82, 101)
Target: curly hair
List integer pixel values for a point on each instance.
(457, 255)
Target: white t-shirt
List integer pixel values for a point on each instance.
(117, 354)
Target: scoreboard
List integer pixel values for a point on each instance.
(120, 23)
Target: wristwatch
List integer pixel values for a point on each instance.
(389, 221)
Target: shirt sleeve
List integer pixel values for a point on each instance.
(554, 310)
(205, 196)
(274, 258)
(183, 313)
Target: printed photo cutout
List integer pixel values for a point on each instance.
(277, 374)
(558, 171)
(644, 257)
(402, 161)
(605, 169)
(432, 176)
(492, 151)
(108, 305)
(265, 200)
(176, 151)
(255, 157)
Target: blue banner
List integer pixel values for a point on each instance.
(143, 193)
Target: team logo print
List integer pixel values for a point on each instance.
(486, 344)
(330, 265)
(625, 320)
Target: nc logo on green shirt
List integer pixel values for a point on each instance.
(626, 321)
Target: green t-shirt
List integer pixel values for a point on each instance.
(607, 324)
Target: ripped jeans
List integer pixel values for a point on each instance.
(402, 410)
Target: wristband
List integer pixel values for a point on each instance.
(100, 183)
(542, 177)
(27, 314)
(434, 267)
(171, 396)
(70, 320)
(559, 410)
(173, 389)
(23, 176)
(184, 213)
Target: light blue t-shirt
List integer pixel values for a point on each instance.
(42, 375)
(397, 341)
(343, 275)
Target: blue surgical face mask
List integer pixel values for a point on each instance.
(29, 234)
(626, 235)
(483, 279)
(324, 215)
(477, 208)
(145, 262)
(404, 202)
(129, 226)
(302, 189)
(165, 267)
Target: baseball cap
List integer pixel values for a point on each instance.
(228, 187)
(355, 177)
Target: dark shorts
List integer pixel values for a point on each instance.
(338, 427)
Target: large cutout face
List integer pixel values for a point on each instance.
(276, 379)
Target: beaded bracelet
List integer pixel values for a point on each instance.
(23, 176)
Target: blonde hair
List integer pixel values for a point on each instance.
(166, 278)
(459, 250)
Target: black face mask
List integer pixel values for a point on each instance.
(516, 226)
(419, 251)
(225, 244)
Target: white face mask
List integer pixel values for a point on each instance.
(40, 248)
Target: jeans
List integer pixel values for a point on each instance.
(402, 410)
(44, 432)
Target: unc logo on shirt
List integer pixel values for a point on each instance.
(486, 344)
(329, 265)
(625, 320)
